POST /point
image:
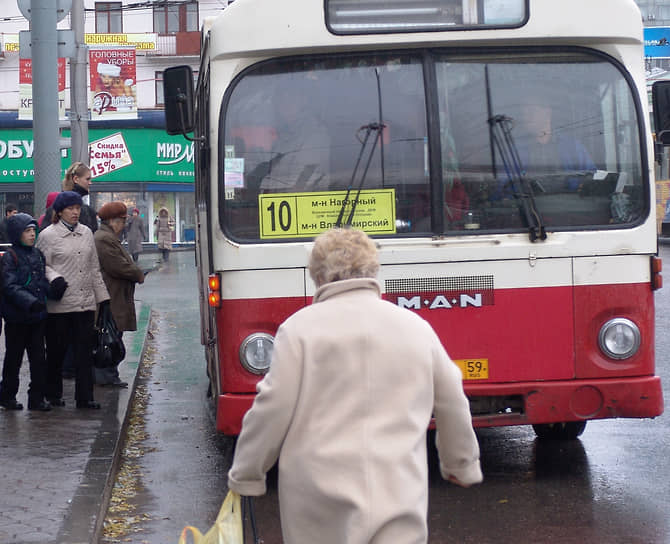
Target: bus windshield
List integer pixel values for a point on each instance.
(460, 143)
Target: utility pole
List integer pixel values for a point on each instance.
(78, 86)
(44, 50)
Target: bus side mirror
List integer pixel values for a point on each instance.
(660, 100)
(178, 98)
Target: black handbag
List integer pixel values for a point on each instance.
(109, 350)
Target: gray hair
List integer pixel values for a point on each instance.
(342, 254)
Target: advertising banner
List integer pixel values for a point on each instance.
(145, 42)
(657, 42)
(26, 88)
(130, 155)
(10, 43)
(108, 154)
(113, 83)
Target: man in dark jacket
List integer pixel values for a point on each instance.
(25, 290)
(10, 210)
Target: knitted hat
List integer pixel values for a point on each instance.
(112, 210)
(65, 200)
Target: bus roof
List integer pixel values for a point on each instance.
(257, 28)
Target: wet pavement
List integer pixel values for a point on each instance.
(181, 475)
(609, 486)
(56, 467)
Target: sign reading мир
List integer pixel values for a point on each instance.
(293, 215)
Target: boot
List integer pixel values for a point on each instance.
(11, 404)
(39, 405)
(90, 404)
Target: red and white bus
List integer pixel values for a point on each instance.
(499, 153)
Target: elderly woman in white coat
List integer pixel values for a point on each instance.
(71, 262)
(345, 408)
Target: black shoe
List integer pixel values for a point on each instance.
(55, 401)
(11, 404)
(115, 384)
(40, 406)
(90, 404)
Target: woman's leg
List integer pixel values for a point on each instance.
(58, 335)
(83, 333)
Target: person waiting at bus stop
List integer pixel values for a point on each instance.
(72, 262)
(120, 274)
(345, 408)
(78, 179)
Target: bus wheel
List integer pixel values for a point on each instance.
(568, 430)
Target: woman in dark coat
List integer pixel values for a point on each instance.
(135, 234)
(120, 275)
(78, 179)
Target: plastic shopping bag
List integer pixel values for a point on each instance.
(226, 530)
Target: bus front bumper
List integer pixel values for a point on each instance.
(527, 403)
(523, 403)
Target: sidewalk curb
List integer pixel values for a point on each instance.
(84, 523)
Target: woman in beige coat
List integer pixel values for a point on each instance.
(345, 407)
(164, 225)
(72, 262)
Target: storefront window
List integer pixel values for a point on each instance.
(131, 200)
(186, 217)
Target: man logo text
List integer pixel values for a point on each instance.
(441, 301)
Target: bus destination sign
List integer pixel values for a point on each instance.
(293, 215)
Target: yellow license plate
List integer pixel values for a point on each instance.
(473, 369)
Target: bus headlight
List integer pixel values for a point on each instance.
(256, 352)
(619, 338)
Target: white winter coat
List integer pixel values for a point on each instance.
(72, 254)
(345, 407)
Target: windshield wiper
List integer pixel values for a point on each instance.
(377, 127)
(501, 132)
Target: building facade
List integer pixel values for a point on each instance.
(655, 12)
(131, 156)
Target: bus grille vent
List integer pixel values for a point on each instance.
(432, 285)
